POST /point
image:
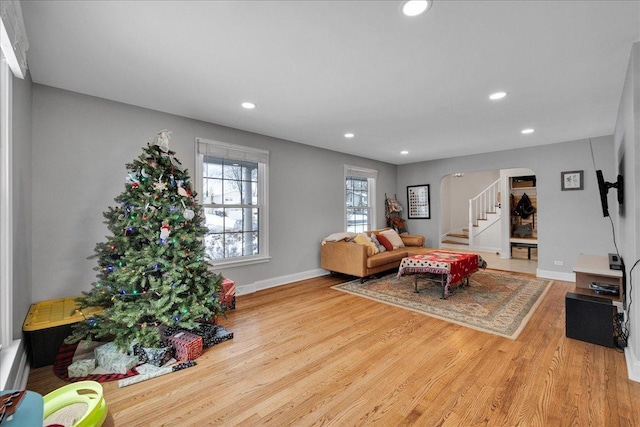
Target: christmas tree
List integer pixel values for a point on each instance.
(152, 270)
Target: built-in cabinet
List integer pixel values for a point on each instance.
(523, 216)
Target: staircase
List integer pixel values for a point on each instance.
(456, 238)
(483, 212)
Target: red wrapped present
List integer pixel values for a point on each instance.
(188, 346)
(228, 294)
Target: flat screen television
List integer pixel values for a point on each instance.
(603, 188)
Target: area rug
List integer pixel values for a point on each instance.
(494, 302)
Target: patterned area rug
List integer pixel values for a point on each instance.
(494, 302)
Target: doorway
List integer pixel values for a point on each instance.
(495, 242)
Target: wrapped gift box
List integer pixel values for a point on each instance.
(212, 334)
(113, 360)
(188, 346)
(154, 356)
(81, 368)
(221, 334)
(228, 294)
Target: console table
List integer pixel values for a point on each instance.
(595, 269)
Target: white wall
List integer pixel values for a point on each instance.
(460, 190)
(627, 160)
(81, 145)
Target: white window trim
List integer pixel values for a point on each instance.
(6, 211)
(372, 176)
(9, 347)
(239, 152)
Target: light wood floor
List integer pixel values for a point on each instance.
(304, 354)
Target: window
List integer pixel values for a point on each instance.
(231, 181)
(360, 192)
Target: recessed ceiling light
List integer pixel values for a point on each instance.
(349, 135)
(497, 95)
(415, 7)
(404, 152)
(248, 105)
(527, 131)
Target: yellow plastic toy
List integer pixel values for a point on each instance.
(78, 404)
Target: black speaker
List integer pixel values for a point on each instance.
(590, 319)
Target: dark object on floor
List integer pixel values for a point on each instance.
(590, 319)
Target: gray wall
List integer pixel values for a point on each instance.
(570, 222)
(627, 160)
(21, 171)
(81, 145)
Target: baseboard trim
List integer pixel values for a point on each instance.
(633, 364)
(485, 249)
(14, 369)
(278, 281)
(556, 275)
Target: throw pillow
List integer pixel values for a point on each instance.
(336, 237)
(363, 239)
(385, 242)
(394, 238)
(376, 242)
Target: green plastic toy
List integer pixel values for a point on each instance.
(78, 404)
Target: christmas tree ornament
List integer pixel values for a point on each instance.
(188, 214)
(184, 192)
(162, 140)
(132, 178)
(160, 186)
(165, 231)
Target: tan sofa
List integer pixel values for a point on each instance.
(358, 260)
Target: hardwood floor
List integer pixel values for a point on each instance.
(304, 354)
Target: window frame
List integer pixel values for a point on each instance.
(207, 147)
(6, 212)
(371, 175)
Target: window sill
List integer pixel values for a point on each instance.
(240, 262)
(9, 358)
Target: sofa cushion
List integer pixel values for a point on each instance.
(363, 239)
(412, 240)
(374, 239)
(394, 238)
(385, 242)
(386, 258)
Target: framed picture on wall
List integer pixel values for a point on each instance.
(572, 180)
(419, 201)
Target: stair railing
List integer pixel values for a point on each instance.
(485, 202)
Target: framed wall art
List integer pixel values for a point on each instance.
(419, 201)
(572, 180)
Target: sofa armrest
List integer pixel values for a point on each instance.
(412, 240)
(344, 257)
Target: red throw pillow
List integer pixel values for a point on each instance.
(384, 242)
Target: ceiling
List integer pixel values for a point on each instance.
(319, 69)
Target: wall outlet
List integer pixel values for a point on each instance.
(558, 262)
